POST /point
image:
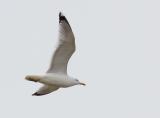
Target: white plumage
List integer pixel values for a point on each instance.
(56, 76)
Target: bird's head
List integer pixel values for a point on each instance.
(80, 83)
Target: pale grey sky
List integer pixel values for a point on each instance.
(118, 56)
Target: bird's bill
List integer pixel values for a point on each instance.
(82, 83)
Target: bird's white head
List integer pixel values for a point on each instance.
(78, 82)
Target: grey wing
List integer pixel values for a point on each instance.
(45, 89)
(65, 48)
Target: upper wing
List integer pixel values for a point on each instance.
(65, 49)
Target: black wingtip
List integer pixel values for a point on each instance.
(62, 18)
(36, 94)
(60, 14)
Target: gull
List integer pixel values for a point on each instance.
(56, 76)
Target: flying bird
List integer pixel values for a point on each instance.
(56, 76)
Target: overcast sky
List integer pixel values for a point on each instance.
(117, 56)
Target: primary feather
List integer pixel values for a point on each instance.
(65, 48)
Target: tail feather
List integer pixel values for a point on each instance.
(32, 78)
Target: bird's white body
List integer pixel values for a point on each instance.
(58, 80)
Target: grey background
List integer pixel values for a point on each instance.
(118, 56)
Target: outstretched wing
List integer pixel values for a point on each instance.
(45, 89)
(65, 49)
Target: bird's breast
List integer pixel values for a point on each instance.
(56, 80)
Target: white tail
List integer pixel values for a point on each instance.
(33, 78)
